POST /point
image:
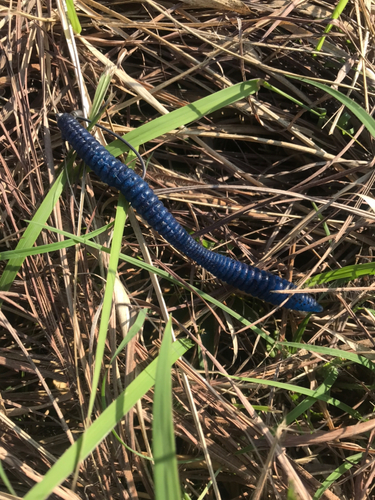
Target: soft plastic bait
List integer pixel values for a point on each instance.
(247, 278)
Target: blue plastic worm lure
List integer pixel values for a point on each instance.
(247, 278)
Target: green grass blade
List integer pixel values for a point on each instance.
(5, 480)
(73, 18)
(102, 426)
(206, 489)
(362, 115)
(106, 309)
(322, 390)
(51, 247)
(185, 115)
(26, 252)
(33, 230)
(300, 331)
(100, 93)
(134, 329)
(339, 9)
(314, 394)
(337, 474)
(347, 273)
(268, 86)
(338, 353)
(321, 217)
(167, 486)
(108, 294)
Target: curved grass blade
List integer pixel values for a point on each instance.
(313, 394)
(323, 390)
(362, 115)
(51, 247)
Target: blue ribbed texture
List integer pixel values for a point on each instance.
(249, 279)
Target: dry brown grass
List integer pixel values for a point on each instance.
(238, 178)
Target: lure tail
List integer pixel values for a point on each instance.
(249, 279)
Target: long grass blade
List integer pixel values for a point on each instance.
(166, 479)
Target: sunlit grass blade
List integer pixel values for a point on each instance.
(51, 247)
(108, 294)
(134, 329)
(167, 486)
(33, 230)
(347, 273)
(339, 9)
(100, 94)
(73, 18)
(107, 304)
(183, 116)
(103, 425)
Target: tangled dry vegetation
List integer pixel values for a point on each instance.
(244, 179)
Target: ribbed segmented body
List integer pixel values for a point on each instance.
(247, 278)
